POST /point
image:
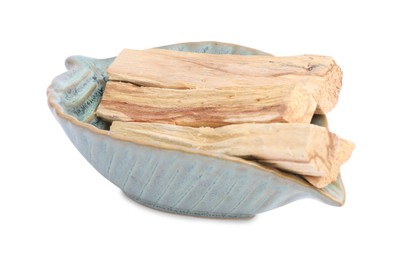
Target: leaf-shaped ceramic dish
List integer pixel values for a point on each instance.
(175, 181)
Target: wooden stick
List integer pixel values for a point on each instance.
(299, 148)
(183, 70)
(206, 107)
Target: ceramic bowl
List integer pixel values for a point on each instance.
(171, 180)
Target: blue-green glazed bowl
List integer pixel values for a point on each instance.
(180, 182)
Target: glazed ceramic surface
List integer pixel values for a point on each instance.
(171, 180)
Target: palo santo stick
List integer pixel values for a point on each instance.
(183, 70)
(299, 148)
(206, 107)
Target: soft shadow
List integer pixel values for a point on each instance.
(186, 217)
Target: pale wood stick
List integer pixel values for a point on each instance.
(206, 107)
(183, 70)
(299, 148)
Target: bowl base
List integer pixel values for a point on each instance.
(194, 213)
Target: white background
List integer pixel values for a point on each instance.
(54, 205)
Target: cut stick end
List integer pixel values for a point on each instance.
(343, 151)
(301, 107)
(327, 95)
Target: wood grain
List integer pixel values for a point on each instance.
(183, 70)
(206, 107)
